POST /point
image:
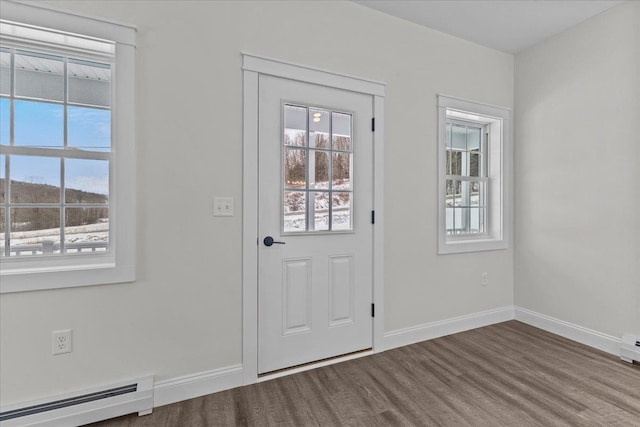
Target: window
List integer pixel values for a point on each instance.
(56, 194)
(473, 151)
(466, 177)
(67, 208)
(318, 165)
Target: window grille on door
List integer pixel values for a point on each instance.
(317, 170)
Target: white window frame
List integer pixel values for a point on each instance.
(498, 223)
(118, 265)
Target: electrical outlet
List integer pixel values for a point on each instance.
(223, 206)
(485, 279)
(61, 341)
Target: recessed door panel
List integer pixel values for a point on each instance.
(341, 290)
(296, 294)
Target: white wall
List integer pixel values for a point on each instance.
(183, 314)
(578, 173)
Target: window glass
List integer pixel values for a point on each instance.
(5, 71)
(341, 171)
(86, 181)
(320, 211)
(319, 128)
(295, 125)
(317, 186)
(34, 231)
(319, 170)
(89, 128)
(341, 211)
(341, 131)
(3, 175)
(5, 121)
(2, 230)
(39, 76)
(295, 211)
(295, 168)
(465, 181)
(86, 229)
(89, 83)
(34, 179)
(38, 124)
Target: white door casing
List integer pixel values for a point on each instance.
(315, 287)
(291, 264)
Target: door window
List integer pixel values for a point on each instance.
(318, 170)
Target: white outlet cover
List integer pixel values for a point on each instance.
(485, 279)
(223, 206)
(61, 341)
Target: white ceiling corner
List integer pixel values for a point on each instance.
(506, 25)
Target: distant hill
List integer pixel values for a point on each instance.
(27, 192)
(35, 218)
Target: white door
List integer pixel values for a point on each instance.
(315, 231)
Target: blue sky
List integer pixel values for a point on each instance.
(39, 124)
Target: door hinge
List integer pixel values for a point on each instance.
(373, 217)
(373, 310)
(373, 124)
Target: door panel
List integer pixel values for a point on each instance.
(296, 296)
(341, 290)
(315, 198)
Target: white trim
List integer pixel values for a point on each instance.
(586, 336)
(482, 108)
(253, 67)
(440, 328)
(47, 16)
(378, 227)
(311, 366)
(140, 401)
(303, 73)
(250, 228)
(195, 385)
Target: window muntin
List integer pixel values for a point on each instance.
(466, 178)
(317, 170)
(55, 137)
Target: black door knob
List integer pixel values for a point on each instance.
(268, 241)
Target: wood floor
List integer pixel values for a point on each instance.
(509, 374)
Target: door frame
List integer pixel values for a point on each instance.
(252, 67)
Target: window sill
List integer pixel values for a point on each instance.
(21, 279)
(458, 246)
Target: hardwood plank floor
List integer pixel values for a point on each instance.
(509, 374)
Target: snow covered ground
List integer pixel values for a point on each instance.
(78, 238)
(295, 214)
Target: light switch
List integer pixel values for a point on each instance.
(223, 206)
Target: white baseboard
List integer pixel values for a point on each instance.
(440, 328)
(196, 385)
(578, 333)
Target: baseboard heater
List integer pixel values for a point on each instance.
(83, 408)
(630, 348)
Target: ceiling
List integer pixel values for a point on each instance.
(507, 25)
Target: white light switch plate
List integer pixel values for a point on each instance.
(223, 206)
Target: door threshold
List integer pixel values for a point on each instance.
(313, 365)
